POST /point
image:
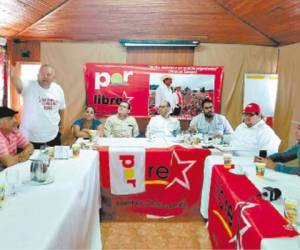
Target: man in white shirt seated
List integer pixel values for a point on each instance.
(163, 125)
(254, 134)
(209, 122)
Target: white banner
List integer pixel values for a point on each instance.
(127, 170)
(261, 89)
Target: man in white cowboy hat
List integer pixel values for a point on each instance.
(164, 92)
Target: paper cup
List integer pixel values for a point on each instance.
(227, 160)
(76, 150)
(260, 169)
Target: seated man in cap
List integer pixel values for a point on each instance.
(254, 134)
(163, 125)
(11, 139)
(209, 122)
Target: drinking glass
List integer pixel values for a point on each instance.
(205, 138)
(227, 157)
(260, 169)
(76, 150)
(93, 135)
(186, 136)
(150, 137)
(290, 206)
(12, 179)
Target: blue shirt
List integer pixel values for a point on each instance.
(94, 126)
(291, 153)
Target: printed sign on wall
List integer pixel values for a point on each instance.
(109, 84)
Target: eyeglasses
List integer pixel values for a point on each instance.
(162, 107)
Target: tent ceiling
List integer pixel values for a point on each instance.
(261, 22)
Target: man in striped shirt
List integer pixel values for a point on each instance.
(11, 139)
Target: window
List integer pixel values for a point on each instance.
(28, 72)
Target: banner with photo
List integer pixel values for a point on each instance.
(109, 84)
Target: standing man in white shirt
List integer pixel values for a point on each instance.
(209, 122)
(164, 92)
(163, 125)
(254, 134)
(44, 105)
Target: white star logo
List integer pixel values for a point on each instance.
(243, 230)
(126, 98)
(184, 182)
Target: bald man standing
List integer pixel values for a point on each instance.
(44, 104)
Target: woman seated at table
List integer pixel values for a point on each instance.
(83, 126)
(276, 161)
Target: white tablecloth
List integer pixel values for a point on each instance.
(136, 142)
(163, 142)
(288, 184)
(60, 215)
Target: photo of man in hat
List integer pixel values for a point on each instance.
(164, 92)
(11, 139)
(178, 99)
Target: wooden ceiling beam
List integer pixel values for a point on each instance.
(57, 8)
(275, 43)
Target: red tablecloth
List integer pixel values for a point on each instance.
(258, 219)
(173, 182)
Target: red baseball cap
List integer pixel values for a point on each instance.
(252, 108)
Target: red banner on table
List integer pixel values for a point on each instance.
(173, 181)
(234, 200)
(109, 84)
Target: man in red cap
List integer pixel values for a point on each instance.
(254, 134)
(11, 139)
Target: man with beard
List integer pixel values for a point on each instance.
(210, 123)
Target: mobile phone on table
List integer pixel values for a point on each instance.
(263, 153)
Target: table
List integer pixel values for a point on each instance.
(61, 215)
(265, 219)
(161, 178)
(246, 162)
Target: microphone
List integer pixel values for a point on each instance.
(271, 194)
